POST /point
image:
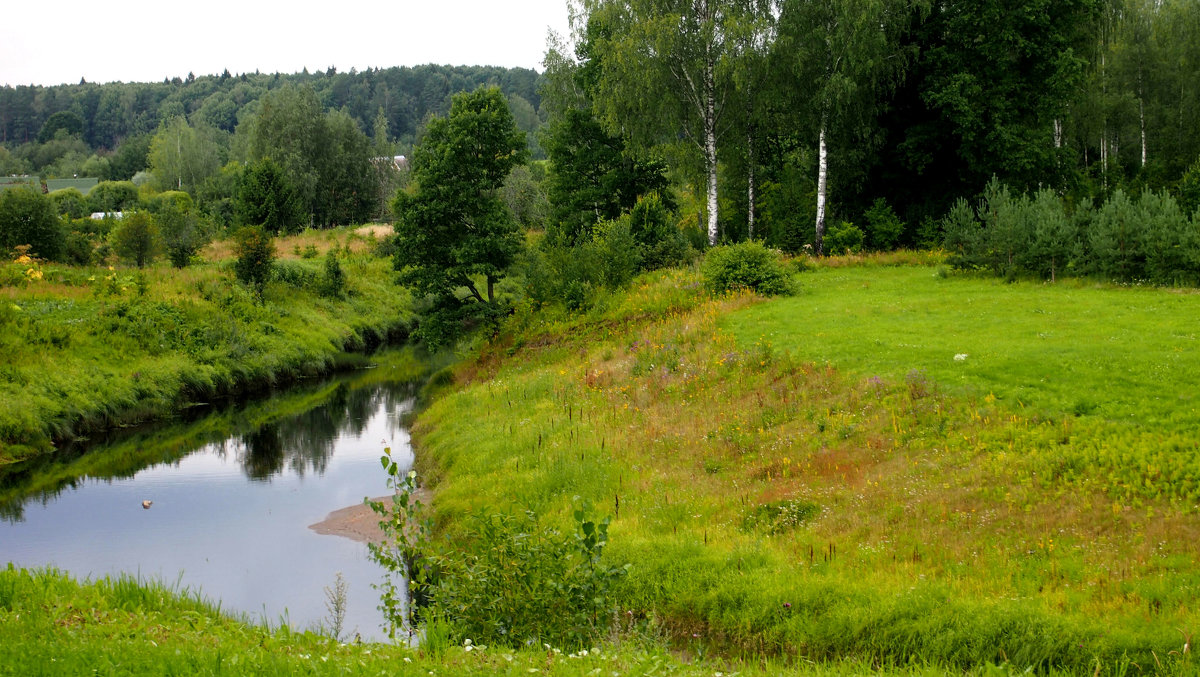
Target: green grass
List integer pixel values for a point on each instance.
(931, 522)
(92, 348)
(1128, 354)
(52, 625)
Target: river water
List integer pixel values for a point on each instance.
(233, 494)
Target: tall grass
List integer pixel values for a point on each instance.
(914, 517)
(88, 349)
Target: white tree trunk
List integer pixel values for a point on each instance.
(750, 185)
(822, 180)
(1058, 133)
(1142, 118)
(710, 146)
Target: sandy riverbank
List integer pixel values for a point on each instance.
(356, 522)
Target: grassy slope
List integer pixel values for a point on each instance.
(770, 502)
(83, 349)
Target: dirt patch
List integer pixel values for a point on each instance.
(356, 522)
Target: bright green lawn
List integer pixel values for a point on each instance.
(1125, 354)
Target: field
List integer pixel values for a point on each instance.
(819, 476)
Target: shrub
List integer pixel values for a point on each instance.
(844, 238)
(659, 242)
(113, 196)
(884, 228)
(255, 253)
(266, 198)
(512, 581)
(27, 218)
(746, 265)
(333, 279)
(136, 238)
(69, 203)
(183, 233)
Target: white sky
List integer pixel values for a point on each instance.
(142, 41)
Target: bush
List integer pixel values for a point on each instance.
(333, 279)
(884, 228)
(512, 581)
(182, 231)
(844, 238)
(266, 198)
(136, 238)
(113, 196)
(659, 242)
(69, 203)
(746, 265)
(27, 218)
(255, 253)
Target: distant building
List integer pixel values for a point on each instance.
(97, 216)
(399, 163)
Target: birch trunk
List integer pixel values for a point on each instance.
(710, 141)
(750, 185)
(1142, 119)
(822, 179)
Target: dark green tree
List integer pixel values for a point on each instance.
(27, 218)
(255, 253)
(453, 229)
(67, 121)
(266, 198)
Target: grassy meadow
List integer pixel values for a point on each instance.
(92, 348)
(818, 477)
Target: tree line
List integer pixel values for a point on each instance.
(792, 119)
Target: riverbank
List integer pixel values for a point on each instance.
(87, 349)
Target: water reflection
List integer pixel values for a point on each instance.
(233, 494)
(297, 431)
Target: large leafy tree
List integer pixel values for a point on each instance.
(453, 229)
(182, 156)
(667, 72)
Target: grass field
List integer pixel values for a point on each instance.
(813, 485)
(789, 479)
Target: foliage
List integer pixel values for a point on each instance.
(113, 196)
(659, 242)
(255, 252)
(333, 278)
(884, 228)
(746, 265)
(453, 227)
(265, 197)
(69, 203)
(27, 218)
(181, 156)
(137, 238)
(1123, 240)
(844, 238)
(510, 582)
(183, 233)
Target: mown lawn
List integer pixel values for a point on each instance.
(1129, 354)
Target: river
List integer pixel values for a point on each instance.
(232, 495)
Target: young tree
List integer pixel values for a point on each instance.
(136, 238)
(182, 233)
(454, 227)
(255, 255)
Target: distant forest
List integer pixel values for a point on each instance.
(98, 119)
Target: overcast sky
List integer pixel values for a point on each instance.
(142, 41)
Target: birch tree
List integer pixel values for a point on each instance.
(841, 55)
(666, 73)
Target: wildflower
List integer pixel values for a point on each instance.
(24, 259)
(787, 605)
(961, 357)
